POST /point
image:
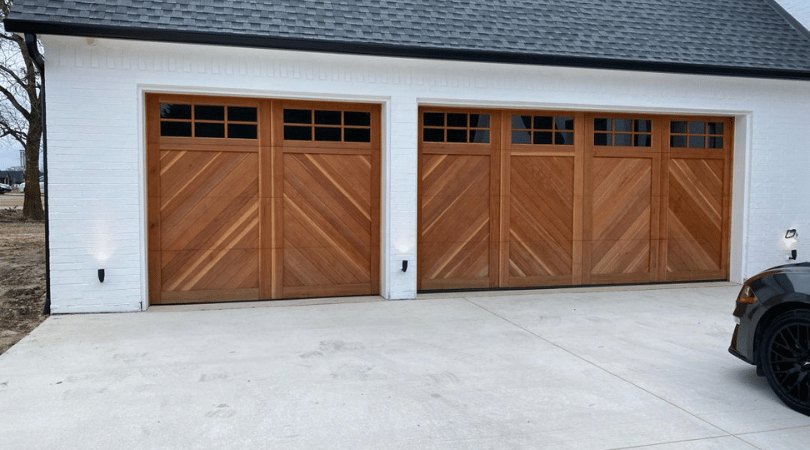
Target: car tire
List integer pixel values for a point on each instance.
(785, 357)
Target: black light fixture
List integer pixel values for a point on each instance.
(404, 265)
(100, 275)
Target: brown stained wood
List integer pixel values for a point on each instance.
(218, 210)
(459, 209)
(496, 188)
(329, 290)
(578, 222)
(695, 211)
(727, 186)
(455, 283)
(376, 201)
(489, 215)
(455, 219)
(153, 199)
(621, 216)
(328, 212)
(663, 217)
(153, 272)
(504, 151)
(327, 215)
(698, 202)
(611, 225)
(456, 149)
(265, 168)
(541, 217)
(194, 215)
(208, 145)
(209, 269)
(213, 296)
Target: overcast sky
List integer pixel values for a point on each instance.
(9, 154)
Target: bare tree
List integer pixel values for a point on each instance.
(21, 108)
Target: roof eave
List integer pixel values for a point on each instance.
(372, 49)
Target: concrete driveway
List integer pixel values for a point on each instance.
(557, 369)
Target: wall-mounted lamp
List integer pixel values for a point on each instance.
(404, 265)
(100, 275)
(790, 242)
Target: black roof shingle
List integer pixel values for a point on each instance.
(724, 37)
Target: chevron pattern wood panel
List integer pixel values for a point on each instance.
(541, 216)
(621, 216)
(695, 217)
(209, 224)
(454, 247)
(327, 224)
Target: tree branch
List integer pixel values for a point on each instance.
(8, 130)
(13, 100)
(11, 73)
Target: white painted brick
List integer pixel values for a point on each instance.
(96, 138)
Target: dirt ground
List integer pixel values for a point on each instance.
(22, 272)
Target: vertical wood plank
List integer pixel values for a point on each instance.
(728, 140)
(663, 235)
(587, 200)
(504, 154)
(277, 157)
(266, 263)
(376, 182)
(153, 270)
(580, 144)
(497, 180)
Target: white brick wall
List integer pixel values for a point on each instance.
(96, 150)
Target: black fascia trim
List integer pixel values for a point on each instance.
(388, 50)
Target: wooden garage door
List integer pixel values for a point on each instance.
(249, 200)
(330, 191)
(695, 222)
(569, 198)
(458, 205)
(623, 168)
(541, 245)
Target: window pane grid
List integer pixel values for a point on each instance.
(696, 134)
(327, 125)
(621, 132)
(542, 130)
(463, 128)
(208, 121)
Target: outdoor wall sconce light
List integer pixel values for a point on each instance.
(100, 275)
(790, 242)
(404, 265)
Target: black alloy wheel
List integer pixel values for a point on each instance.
(785, 354)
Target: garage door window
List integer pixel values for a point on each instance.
(696, 134)
(459, 128)
(543, 130)
(208, 121)
(326, 125)
(619, 132)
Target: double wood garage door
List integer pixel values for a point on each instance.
(519, 198)
(259, 199)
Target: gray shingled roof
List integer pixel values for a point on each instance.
(748, 37)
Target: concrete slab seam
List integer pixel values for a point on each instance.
(603, 369)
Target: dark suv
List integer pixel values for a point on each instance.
(773, 330)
